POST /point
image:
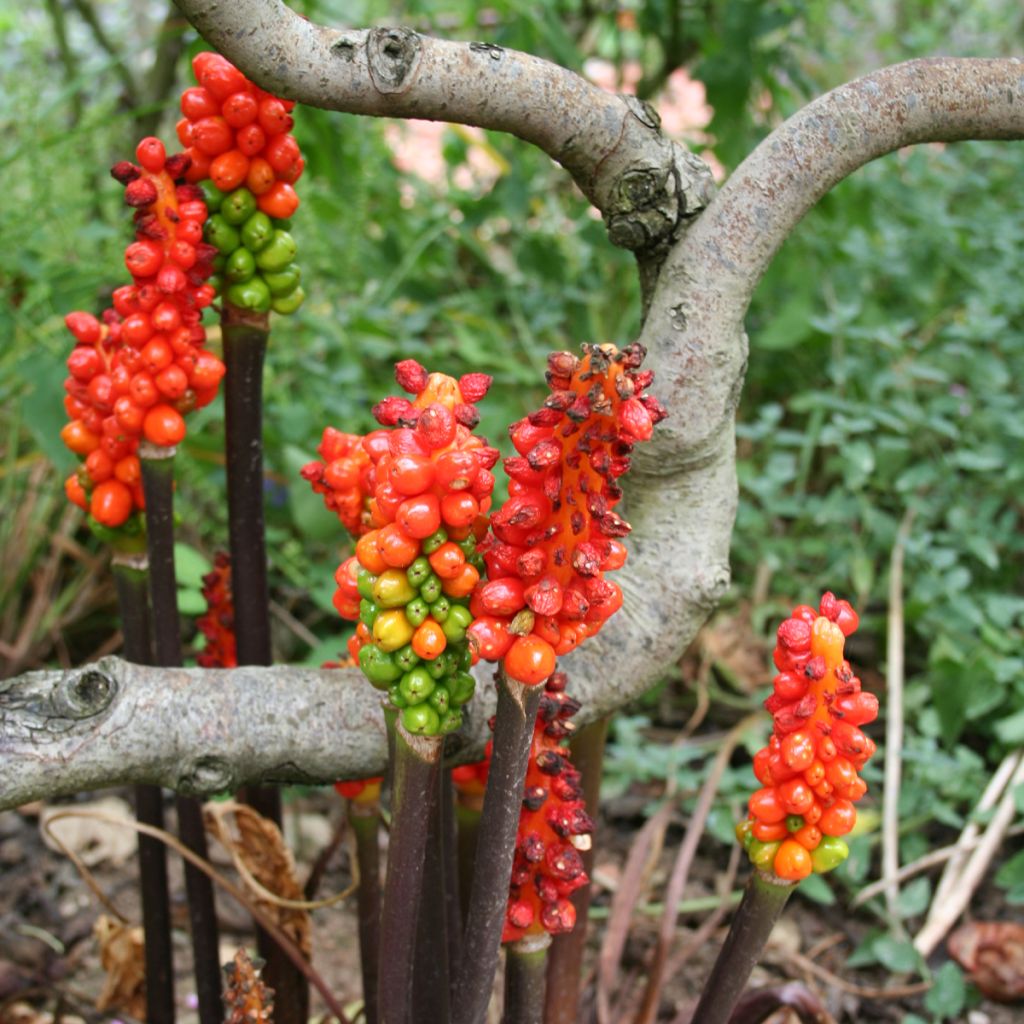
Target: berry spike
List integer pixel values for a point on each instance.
(217, 624)
(553, 826)
(557, 535)
(809, 770)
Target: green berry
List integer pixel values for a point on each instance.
(364, 583)
(439, 700)
(257, 232)
(252, 294)
(286, 304)
(421, 720)
(440, 608)
(829, 854)
(240, 265)
(430, 590)
(221, 234)
(461, 687)
(378, 667)
(416, 611)
(458, 621)
(238, 206)
(416, 685)
(283, 282)
(278, 253)
(368, 612)
(451, 722)
(212, 195)
(419, 571)
(395, 696)
(435, 540)
(406, 658)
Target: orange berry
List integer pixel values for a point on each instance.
(79, 438)
(429, 640)
(530, 660)
(792, 861)
(279, 201)
(463, 584)
(229, 170)
(395, 547)
(111, 503)
(260, 176)
(368, 555)
(75, 492)
(769, 833)
(447, 561)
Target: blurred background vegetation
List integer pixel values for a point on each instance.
(886, 341)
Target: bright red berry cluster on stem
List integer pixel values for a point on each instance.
(553, 826)
(237, 134)
(137, 369)
(558, 534)
(809, 768)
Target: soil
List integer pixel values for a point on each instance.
(50, 968)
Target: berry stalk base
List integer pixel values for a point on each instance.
(365, 824)
(526, 964)
(762, 903)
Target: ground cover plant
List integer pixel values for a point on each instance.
(874, 481)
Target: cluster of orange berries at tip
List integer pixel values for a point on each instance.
(136, 370)
(416, 565)
(557, 535)
(346, 478)
(553, 826)
(236, 134)
(363, 792)
(809, 770)
(217, 623)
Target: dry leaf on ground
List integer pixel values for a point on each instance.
(122, 954)
(992, 952)
(259, 847)
(94, 842)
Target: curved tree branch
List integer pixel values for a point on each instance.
(643, 183)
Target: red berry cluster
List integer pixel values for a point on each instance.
(470, 780)
(135, 371)
(362, 791)
(346, 478)
(217, 624)
(558, 534)
(809, 768)
(236, 134)
(553, 826)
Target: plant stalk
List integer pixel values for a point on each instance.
(467, 813)
(245, 337)
(488, 897)
(450, 862)
(414, 799)
(158, 484)
(431, 983)
(364, 820)
(131, 577)
(526, 970)
(565, 959)
(762, 903)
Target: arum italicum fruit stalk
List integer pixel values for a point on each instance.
(810, 781)
(551, 544)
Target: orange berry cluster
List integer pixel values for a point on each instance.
(217, 624)
(137, 369)
(237, 134)
(413, 571)
(553, 826)
(558, 534)
(346, 478)
(809, 770)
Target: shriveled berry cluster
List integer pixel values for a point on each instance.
(346, 478)
(238, 138)
(217, 624)
(135, 371)
(809, 768)
(558, 534)
(246, 999)
(553, 826)
(410, 579)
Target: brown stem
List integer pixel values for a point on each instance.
(763, 900)
(526, 963)
(132, 582)
(416, 769)
(488, 897)
(158, 484)
(364, 820)
(565, 959)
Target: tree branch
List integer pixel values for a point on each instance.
(643, 183)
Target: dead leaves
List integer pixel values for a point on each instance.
(247, 999)
(992, 952)
(265, 864)
(122, 954)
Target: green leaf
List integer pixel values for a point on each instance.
(898, 955)
(914, 898)
(948, 993)
(817, 890)
(190, 566)
(1011, 730)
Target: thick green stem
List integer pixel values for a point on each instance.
(526, 966)
(245, 337)
(158, 483)
(565, 960)
(763, 900)
(131, 577)
(414, 798)
(364, 820)
(488, 897)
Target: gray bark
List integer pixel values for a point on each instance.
(203, 731)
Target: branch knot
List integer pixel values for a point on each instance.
(394, 56)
